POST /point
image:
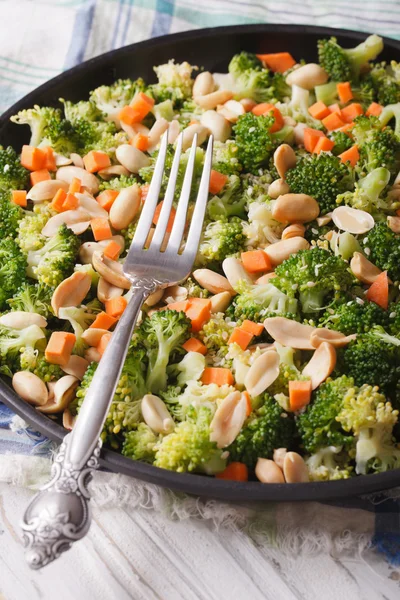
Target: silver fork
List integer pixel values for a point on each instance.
(60, 513)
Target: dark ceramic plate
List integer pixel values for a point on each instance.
(213, 49)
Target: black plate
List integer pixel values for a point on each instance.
(211, 48)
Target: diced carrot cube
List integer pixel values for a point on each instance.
(141, 142)
(374, 109)
(144, 190)
(323, 145)
(350, 112)
(112, 250)
(19, 197)
(217, 375)
(199, 312)
(217, 182)
(181, 306)
(33, 158)
(139, 108)
(75, 186)
(344, 91)
(71, 202)
(195, 345)
(332, 122)
(311, 137)
(279, 62)
(95, 161)
(265, 109)
(256, 261)
(347, 129)
(299, 394)
(116, 306)
(59, 347)
(254, 328)
(104, 341)
(103, 321)
(100, 228)
(58, 200)
(240, 337)
(50, 159)
(38, 176)
(319, 110)
(335, 108)
(171, 215)
(351, 155)
(107, 198)
(378, 292)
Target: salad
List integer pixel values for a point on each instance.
(278, 359)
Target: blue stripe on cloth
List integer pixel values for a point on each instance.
(162, 18)
(80, 35)
(386, 539)
(114, 43)
(127, 22)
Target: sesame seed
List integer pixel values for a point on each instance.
(367, 251)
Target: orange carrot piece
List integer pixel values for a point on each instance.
(141, 142)
(350, 112)
(279, 62)
(240, 337)
(116, 306)
(344, 91)
(103, 321)
(181, 306)
(107, 198)
(75, 186)
(351, 155)
(335, 108)
(38, 176)
(50, 159)
(319, 110)
(139, 108)
(236, 471)
(256, 261)
(379, 291)
(100, 228)
(144, 190)
(217, 375)
(347, 129)
(311, 137)
(95, 160)
(71, 202)
(265, 109)
(374, 109)
(112, 250)
(171, 215)
(19, 197)
(58, 200)
(248, 104)
(33, 158)
(251, 327)
(299, 394)
(332, 122)
(217, 182)
(199, 312)
(249, 406)
(59, 347)
(195, 345)
(323, 145)
(104, 341)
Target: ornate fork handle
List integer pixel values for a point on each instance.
(60, 513)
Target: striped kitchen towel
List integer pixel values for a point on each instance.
(41, 38)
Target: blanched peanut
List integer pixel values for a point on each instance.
(279, 456)
(63, 394)
(248, 104)
(91, 206)
(92, 355)
(30, 388)
(173, 131)
(295, 469)
(335, 338)
(324, 220)
(235, 271)
(19, 319)
(88, 180)
(363, 268)
(231, 110)
(267, 471)
(86, 252)
(352, 220)
(262, 373)
(213, 282)
(160, 126)
(156, 414)
(111, 270)
(93, 335)
(106, 291)
(76, 366)
(280, 251)
(277, 188)
(321, 365)
(68, 420)
(394, 224)
(295, 230)
(289, 333)
(299, 133)
(217, 125)
(220, 302)
(307, 76)
(210, 101)
(76, 220)
(284, 159)
(228, 419)
(46, 190)
(190, 132)
(77, 160)
(131, 158)
(71, 291)
(295, 208)
(203, 84)
(154, 298)
(125, 207)
(113, 171)
(264, 279)
(174, 293)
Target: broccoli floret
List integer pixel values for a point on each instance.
(12, 270)
(391, 111)
(30, 227)
(195, 395)
(288, 371)
(140, 444)
(385, 82)
(225, 158)
(367, 193)
(188, 111)
(161, 334)
(393, 324)
(317, 425)
(378, 147)
(347, 64)
(316, 277)
(35, 361)
(55, 261)
(329, 464)
(298, 106)
(109, 99)
(82, 136)
(189, 448)
(230, 203)
(251, 80)
(195, 290)
(164, 110)
(13, 176)
(10, 216)
(382, 246)
(322, 176)
(39, 119)
(242, 62)
(80, 318)
(216, 333)
(342, 142)
(118, 183)
(267, 428)
(261, 230)
(254, 141)
(220, 239)
(354, 317)
(257, 302)
(84, 109)
(370, 418)
(256, 186)
(33, 298)
(16, 342)
(174, 82)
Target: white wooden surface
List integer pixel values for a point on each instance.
(144, 555)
